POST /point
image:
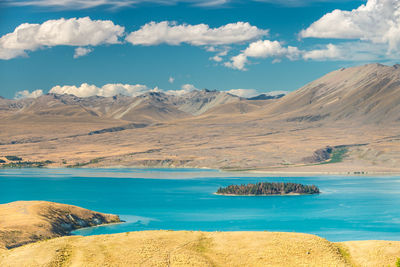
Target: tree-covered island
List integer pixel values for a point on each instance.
(268, 189)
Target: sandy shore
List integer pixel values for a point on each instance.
(267, 172)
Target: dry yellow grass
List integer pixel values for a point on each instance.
(23, 222)
(187, 248)
(246, 142)
(169, 248)
(373, 253)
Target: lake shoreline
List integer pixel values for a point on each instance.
(224, 170)
(342, 199)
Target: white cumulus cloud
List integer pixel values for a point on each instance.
(345, 51)
(186, 88)
(154, 33)
(82, 51)
(262, 49)
(330, 52)
(237, 62)
(107, 90)
(221, 52)
(246, 93)
(27, 94)
(377, 21)
(216, 58)
(112, 89)
(70, 32)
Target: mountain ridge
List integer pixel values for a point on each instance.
(147, 107)
(368, 93)
(341, 110)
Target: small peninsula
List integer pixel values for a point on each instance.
(268, 189)
(24, 222)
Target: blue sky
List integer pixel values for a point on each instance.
(280, 46)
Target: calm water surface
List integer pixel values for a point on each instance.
(349, 208)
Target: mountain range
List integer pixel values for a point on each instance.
(351, 112)
(146, 108)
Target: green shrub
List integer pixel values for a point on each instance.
(26, 164)
(338, 155)
(13, 158)
(398, 262)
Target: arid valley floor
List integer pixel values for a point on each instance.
(350, 114)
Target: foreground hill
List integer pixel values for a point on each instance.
(345, 122)
(25, 222)
(187, 248)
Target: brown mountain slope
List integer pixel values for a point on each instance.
(197, 102)
(242, 106)
(364, 94)
(147, 108)
(49, 107)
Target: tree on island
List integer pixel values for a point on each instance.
(13, 158)
(268, 189)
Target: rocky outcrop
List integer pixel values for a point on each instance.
(320, 155)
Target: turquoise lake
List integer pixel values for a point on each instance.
(349, 207)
